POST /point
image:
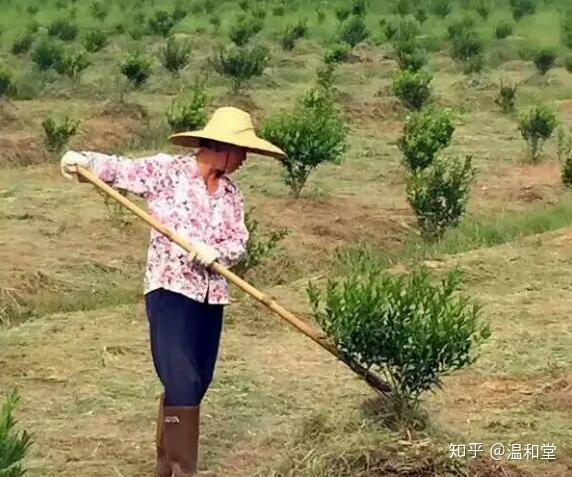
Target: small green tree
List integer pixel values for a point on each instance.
(566, 29)
(405, 327)
(441, 8)
(483, 9)
(73, 64)
(343, 13)
(536, 127)
(99, 10)
(189, 114)
(312, 134)
(425, 134)
(421, 15)
(467, 47)
(338, 54)
(544, 60)
(568, 63)
(162, 23)
(14, 445)
(94, 41)
(175, 55)
(410, 55)
(439, 194)
(506, 96)
(412, 88)
(522, 8)
(48, 54)
(292, 34)
(58, 132)
(64, 29)
(241, 64)
(503, 30)
(136, 69)
(353, 31)
(22, 43)
(245, 29)
(5, 82)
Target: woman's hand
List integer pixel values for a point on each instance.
(70, 161)
(203, 254)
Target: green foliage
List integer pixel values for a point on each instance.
(410, 330)
(245, 29)
(389, 30)
(33, 27)
(180, 11)
(189, 114)
(412, 88)
(279, 10)
(506, 97)
(467, 46)
(58, 132)
(48, 54)
(409, 55)
(503, 30)
(566, 29)
(260, 245)
(544, 60)
(94, 41)
(326, 77)
(22, 43)
(565, 155)
(421, 15)
(568, 63)
(73, 64)
(292, 34)
(312, 134)
(99, 10)
(175, 55)
(136, 69)
(353, 31)
(343, 13)
(425, 134)
(536, 127)
(14, 445)
(338, 54)
(5, 81)
(162, 23)
(522, 8)
(441, 8)
(483, 9)
(64, 29)
(439, 194)
(359, 7)
(241, 64)
(403, 8)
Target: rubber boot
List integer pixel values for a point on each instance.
(163, 468)
(182, 440)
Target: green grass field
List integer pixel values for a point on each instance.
(73, 335)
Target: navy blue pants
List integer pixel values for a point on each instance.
(185, 336)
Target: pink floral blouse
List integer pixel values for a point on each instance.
(177, 196)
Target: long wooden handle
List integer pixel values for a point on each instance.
(301, 325)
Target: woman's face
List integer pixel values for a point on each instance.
(228, 159)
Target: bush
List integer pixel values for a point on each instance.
(94, 41)
(136, 69)
(353, 31)
(189, 114)
(279, 10)
(467, 47)
(48, 54)
(506, 97)
(14, 445)
(403, 8)
(389, 30)
(568, 63)
(338, 54)
(33, 27)
(32, 9)
(175, 55)
(59, 132)
(566, 29)
(260, 246)
(410, 56)
(359, 7)
(22, 43)
(312, 134)
(412, 88)
(64, 29)
(5, 81)
(405, 327)
(425, 134)
(180, 11)
(564, 144)
(421, 15)
(292, 34)
(521, 8)
(503, 30)
(241, 64)
(483, 9)
(214, 20)
(441, 8)
(544, 60)
(343, 13)
(326, 76)
(527, 54)
(245, 29)
(459, 27)
(162, 23)
(536, 127)
(99, 10)
(72, 65)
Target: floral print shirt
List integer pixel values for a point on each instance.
(177, 197)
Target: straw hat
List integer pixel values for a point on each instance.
(231, 126)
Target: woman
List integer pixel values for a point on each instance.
(194, 196)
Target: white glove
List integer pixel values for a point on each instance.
(70, 160)
(204, 254)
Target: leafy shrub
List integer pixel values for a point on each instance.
(5, 81)
(564, 144)
(353, 31)
(189, 114)
(312, 134)
(544, 60)
(180, 11)
(99, 10)
(244, 30)
(483, 9)
(64, 29)
(405, 327)
(136, 69)
(22, 43)
(425, 134)
(412, 88)
(359, 7)
(32, 9)
(503, 30)
(410, 56)
(343, 13)
(326, 76)
(175, 55)
(389, 30)
(474, 64)
(14, 445)
(72, 65)
(59, 132)
(161, 23)
(321, 14)
(506, 97)
(527, 54)
(33, 27)
(279, 10)
(260, 246)
(259, 13)
(292, 34)
(338, 54)
(458, 27)
(26, 86)
(467, 47)
(566, 29)
(521, 8)
(567, 171)
(568, 63)
(214, 20)
(403, 8)
(421, 15)
(441, 8)
(536, 127)
(94, 41)
(48, 54)
(241, 64)
(439, 194)
(407, 31)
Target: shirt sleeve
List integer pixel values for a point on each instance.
(141, 176)
(233, 247)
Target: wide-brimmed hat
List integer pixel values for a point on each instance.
(230, 126)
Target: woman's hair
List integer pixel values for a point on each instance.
(213, 145)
